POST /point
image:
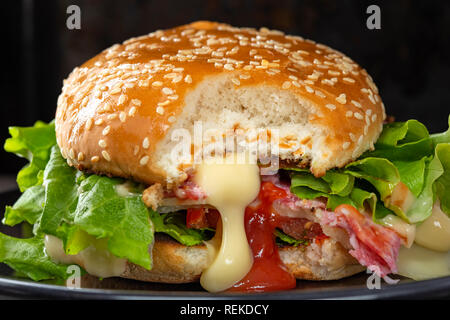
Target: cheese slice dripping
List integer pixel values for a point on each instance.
(95, 259)
(230, 186)
(429, 257)
(434, 232)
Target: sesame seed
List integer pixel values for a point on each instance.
(95, 159)
(244, 76)
(173, 97)
(286, 85)
(105, 155)
(166, 90)
(352, 137)
(122, 116)
(144, 160)
(71, 153)
(157, 84)
(356, 104)
(177, 79)
(358, 115)
(136, 150)
(89, 124)
(345, 145)
(374, 117)
(172, 119)
(160, 110)
(136, 102)
(80, 156)
(116, 90)
(350, 80)
(122, 99)
(98, 122)
(228, 66)
(161, 104)
(320, 94)
(188, 79)
(236, 81)
(132, 111)
(145, 143)
(349, 114)
(296, 83)
(333, 73)
(342, 98)
(106, 130)
(112, 116)
(330, 106)
(309, 89)
(293, 77)
(102, 143)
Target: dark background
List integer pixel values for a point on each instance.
(408, 58)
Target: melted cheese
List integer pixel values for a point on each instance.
(429, 257)
(420, 263)
(230, 187)
(405, 230)
(434, 232)
(95, 259)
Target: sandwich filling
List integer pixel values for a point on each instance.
(389, 209)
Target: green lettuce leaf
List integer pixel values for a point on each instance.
(407, 140)
(33, 143)
(27, 208)
(103, 213)
(27, 256)
(443, 137)
(283, 239)
(173, 224)
(70, 204)
(61, 194)
(380, 173)
(442, 184)
(422, 207)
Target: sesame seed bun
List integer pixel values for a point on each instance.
(117, 112)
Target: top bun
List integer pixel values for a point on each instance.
(117, 112)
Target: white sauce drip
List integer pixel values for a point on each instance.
(434, 232)
(95, 259)
(230, 187)
(429, 257)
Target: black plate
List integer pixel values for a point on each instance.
(116, 288)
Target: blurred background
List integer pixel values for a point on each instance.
(408, 57)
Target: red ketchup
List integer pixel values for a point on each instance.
(268, 272)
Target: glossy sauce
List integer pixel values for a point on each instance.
(268, 272)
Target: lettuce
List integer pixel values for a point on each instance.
(442, 183)
(32, 143)
(174, 225)
(404, 152)
(283, 239)
(27, 256)
(71, 205)
(27, 208)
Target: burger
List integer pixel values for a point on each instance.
(244, 159)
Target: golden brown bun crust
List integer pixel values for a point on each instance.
(116, 107)
(176, 263)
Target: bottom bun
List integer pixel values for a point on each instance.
(177, 263)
